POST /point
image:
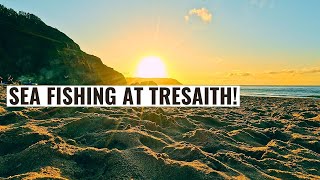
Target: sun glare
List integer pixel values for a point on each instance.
(151, 67)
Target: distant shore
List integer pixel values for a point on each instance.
(282, 91)
(289, 97)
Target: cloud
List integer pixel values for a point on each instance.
(262, 3)
(186, 18)
(312, 70)
(293, 72)
(243, 74)
(218, 60)
(301, 71)
(203, 13)
(285, 71)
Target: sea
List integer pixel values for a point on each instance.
(282, 91)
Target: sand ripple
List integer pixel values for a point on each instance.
(266, 138)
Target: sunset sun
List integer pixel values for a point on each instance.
(151, 67)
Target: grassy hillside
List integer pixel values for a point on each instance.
(29, 49)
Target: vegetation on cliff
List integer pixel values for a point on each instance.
(32, 50)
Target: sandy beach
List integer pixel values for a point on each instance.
(266, 138)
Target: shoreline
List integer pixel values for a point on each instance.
(289, 97)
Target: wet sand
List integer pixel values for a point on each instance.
(266, 138)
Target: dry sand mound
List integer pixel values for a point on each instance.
(266, 138)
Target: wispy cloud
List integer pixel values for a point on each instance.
(262, 3)
(157, 29)
(240, 74)
(313, 70)
(285, 71)
(203, 13)
(301, 71)
(218, 60)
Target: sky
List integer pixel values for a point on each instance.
(238, 42)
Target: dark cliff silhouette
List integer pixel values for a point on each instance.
(31, 50)
(152, 81)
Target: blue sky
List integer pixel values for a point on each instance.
(243, 36)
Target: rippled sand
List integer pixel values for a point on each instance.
(266, 138)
